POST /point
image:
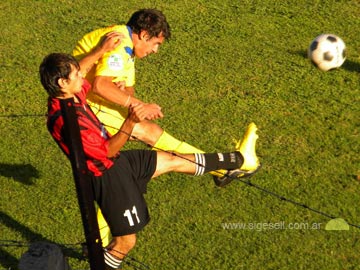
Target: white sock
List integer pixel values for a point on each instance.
(200, 164)
(111, 260)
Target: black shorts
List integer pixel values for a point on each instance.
(119, 191)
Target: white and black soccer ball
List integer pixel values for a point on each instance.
(327, 51)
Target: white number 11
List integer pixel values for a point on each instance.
(129, 216)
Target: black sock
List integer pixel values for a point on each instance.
(211, 162)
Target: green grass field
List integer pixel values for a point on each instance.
(227, 64)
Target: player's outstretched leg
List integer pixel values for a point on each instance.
(197, 163)
(167, 142)
(251, 164)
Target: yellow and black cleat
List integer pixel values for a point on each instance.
(251, 164)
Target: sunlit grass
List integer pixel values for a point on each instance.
(227, 64)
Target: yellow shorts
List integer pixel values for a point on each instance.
(110, 115)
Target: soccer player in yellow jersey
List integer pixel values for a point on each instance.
(143, 34)
(113, 80)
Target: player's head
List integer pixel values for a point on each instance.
(150, 29)
(152, 21)
(59, 74)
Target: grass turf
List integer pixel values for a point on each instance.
(227, 64)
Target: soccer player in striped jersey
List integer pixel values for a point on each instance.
(119, 178)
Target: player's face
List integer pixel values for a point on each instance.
(74, 83)
(146, 45)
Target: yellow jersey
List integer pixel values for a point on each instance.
(119, 63)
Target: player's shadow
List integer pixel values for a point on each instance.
(24, 173)
(349, 65)
(9, 261)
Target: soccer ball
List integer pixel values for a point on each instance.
(327, 51)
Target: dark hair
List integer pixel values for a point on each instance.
(54, 67)
(152, 21)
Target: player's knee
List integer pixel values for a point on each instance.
(123, 244)
(130, 242)
(148, 132)
(167, 162)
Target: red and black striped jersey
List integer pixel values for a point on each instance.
(94, 136)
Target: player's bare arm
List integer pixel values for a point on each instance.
(130, 90)
(104, 87)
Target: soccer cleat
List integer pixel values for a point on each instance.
(222, 181)
(251, 164)
(233, 174)
(247, 148)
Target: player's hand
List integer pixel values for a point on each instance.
(110, 41)
(142, 111)
(154, 111)
(120, 85)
